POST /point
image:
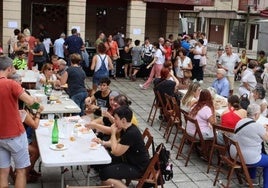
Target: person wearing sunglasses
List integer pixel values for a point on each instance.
(47, 76)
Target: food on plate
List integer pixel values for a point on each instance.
(58, 101)
(84, 130)
(64, 86)
(49, 123)
(59, 146)
(221, 102)
(77, 125)
(72, 138)
(93, 144)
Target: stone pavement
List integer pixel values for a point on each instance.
(192, 176)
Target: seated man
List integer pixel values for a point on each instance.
(221, 84)
(130, 146)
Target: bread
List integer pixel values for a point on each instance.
(93, 144)
(59, 146)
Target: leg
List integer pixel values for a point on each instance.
(4, 172)
(20, 178)
(126, 70)
(130, 69)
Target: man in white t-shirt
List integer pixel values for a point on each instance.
(228, 62)
(58, 46)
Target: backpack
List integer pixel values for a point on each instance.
(244, 101)
(165, 164)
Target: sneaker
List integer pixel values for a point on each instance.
(201, 82)
(255, 182)
(194, 80)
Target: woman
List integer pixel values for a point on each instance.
(156, 64)
(101, 64)
(130, 146)
(21, 44)
(233, 113)
(250, 138)
(75, 78)
(31, 41)
(204, 113)
(199, 52)
(39, 53)
(258, 97)
(183, 67)
(47, 76)
(191, 96)
(127, 58)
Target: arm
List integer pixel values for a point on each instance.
(33, 121)
(151, 64)
(117, 148)
(93, 64)
(110, 63)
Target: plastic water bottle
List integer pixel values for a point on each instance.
(55, 131)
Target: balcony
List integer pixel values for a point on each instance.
(184, 2)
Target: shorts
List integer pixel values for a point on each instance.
(231, 82)
(17, 148)
(119, 171)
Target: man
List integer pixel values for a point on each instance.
(73, 43)
(130, 145)
(228, 61)
(221, 84)
(248, 80)
(100, 39)
(112, 51)
(13, 139)
(59, 47)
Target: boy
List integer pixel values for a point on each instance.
(19, 62)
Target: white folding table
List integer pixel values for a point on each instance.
(78, 152)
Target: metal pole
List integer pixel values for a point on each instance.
(247, 20)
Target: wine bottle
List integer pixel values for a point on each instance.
(55, 131)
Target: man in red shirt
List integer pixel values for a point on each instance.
(13, 140)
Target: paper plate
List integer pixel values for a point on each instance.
(70, 107)
(54, 147)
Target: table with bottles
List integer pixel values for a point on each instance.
(59, 102)
(75, 141)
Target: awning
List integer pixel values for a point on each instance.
(264, 13)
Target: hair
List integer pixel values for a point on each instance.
(156, 44)
(5, 62)
(20, 36)
(229, 45)
(221, 71)
(19, 52)
(259, 89)
(170, 36)
(124, 112)
(137, 42)
(74, 31)
(54, 57)
(252, 110)
(205, 99)
(62, 35)
(114, 94)
(16, 31)
(234, 101)
(40, 38)
(252, 64)
(167, 64)
(261, 52)
(105, 80)
(27, 32)
(16, 77)
(164, 73)
(122, 100)
(62, 62)
(201, 41)
(190, 92)
(184, 52)
(46, 66)
(75, 58)
(101, 48)
(146, 38)
(244, 51)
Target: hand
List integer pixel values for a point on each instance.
(97, 140)
(148, 67)
(235, 71)
(114, 129)
(91, 125)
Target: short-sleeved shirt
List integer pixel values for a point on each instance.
(76, 80)
(202, 117)
(229, 62)
(136, 154)
(249, 77)
(58, 46)
(182, 64)
(10, 124)
(74, 44)
(101, 101)
(160, 57)
(250, 140)
(40, 48)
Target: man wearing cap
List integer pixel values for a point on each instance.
(221, 84)
(58, 46)
(13, 139)
(228, 61)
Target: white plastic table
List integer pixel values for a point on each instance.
(78, 152)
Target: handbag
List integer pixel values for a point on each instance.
(203, 61)
(147, 59)
(244, 101)
(187, 74)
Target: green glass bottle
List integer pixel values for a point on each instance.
(55, 131)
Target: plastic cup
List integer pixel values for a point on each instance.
(103, 110)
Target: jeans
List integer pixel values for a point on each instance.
(79, 99)
(262, 163)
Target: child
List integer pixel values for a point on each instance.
(136, 59)
(264, 76)
(19, 62)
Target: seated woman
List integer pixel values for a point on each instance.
(131, 146)
(250, 138)
(233, 113)
(191, 96)
(204, 113)
(100, 97)
(47, 76)
(258, 97)
(103, 124)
